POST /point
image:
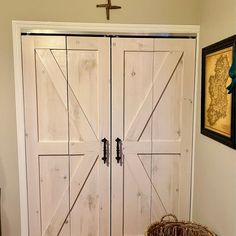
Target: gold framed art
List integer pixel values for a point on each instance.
(217, 106)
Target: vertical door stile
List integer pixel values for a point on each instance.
(68, 216)
(117, 128)
(151, 157)
(31, 138)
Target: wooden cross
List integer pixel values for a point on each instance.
(108, 7)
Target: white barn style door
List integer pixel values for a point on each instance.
(152, 113)
(96, 171)
(67, 116)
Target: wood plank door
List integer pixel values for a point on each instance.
(66, 93)
(152, 114)
(89, 123)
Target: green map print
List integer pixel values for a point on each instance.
(217, 90)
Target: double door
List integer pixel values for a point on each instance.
(108, 132)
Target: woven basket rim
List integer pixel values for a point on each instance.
(180, 224)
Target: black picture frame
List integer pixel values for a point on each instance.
(213, 49)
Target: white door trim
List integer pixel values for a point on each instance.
(19, 27)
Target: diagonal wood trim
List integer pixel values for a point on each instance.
(59, 81)
(151, 100)
(81, 174)
(155, 190)
(55, 73)
(143, 179)
(77, 114)
(78, 181)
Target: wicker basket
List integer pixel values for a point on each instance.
(174, 227)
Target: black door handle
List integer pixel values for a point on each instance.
(118, 149)
(105, 150)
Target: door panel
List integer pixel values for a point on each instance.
(88, 90)
(86, 201)
(54, 189)
(66, 89)
(166, 118)
(137, 194)
(51, 93)
(152, 114)
(165, 185)
(136, 88)
(160, 81)
(84, 81)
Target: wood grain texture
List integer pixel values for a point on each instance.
(67, 105)
(88, 91)
(57, 86)
(51, 97)
(151, 113)
(54, 193)
(29, 44)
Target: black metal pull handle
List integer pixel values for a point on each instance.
(105, 150)
(118, 149)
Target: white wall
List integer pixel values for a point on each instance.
(133, 11)
(215, 164)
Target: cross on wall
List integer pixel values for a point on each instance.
(108, 7)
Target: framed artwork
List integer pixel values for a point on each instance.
(217, 106)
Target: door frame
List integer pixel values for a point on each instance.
(65, 28)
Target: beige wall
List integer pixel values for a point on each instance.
(215, 164)
(133, 11)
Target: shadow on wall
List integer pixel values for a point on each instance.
(3, 219)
